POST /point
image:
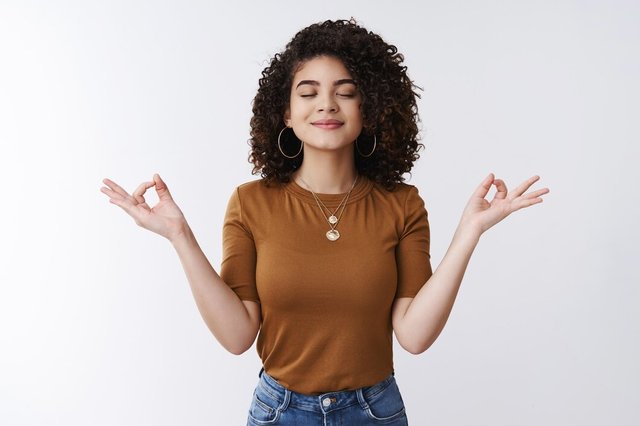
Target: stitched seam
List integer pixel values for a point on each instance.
(244, 223)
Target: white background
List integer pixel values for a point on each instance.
(97, 322)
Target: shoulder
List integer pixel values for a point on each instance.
(403, 194)
(258, 186)
(251, 185)
(257, 192)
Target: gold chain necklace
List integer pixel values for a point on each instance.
(332, 234)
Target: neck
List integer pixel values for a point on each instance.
(327, 172)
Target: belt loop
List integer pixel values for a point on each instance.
(287, 399)
(361, 400)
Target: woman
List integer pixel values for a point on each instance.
(328, 254)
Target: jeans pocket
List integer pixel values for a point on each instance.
(264, 408)
(386, 405)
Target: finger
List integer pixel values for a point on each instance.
(122, 199)
(138, 194)
(115, 187)
(524, 186)
(526, 202)
(482, 190)
(161, 187)
(111, 193)
(125, 203)
(536, 193)
(501, 190)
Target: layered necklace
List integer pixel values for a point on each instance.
(332, 234)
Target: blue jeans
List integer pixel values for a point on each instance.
(273, 404)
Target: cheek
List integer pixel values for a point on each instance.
(358, 111)
(296, 109)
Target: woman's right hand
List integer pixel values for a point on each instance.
(165, 218)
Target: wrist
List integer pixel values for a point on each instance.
(181, 235)
(468, 231)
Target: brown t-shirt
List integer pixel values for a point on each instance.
(326, 305)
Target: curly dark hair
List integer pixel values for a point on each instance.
(389, 109)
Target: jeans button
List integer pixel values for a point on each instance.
(326, 402)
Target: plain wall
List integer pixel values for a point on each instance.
(97, 322)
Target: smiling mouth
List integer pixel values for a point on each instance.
(327, 124)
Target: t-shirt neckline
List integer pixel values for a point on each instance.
(360, 190)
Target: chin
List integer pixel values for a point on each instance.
(328, 146)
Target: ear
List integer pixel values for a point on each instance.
(287, 117)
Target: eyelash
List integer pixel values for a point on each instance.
(344, 95)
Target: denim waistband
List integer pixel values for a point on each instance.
(322, 403)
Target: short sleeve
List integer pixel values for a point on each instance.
(238, 268)
(412, 252)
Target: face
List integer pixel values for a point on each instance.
(324, 108)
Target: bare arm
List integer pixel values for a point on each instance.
(418, 321)
(234, 323)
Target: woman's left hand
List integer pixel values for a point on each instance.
(481, 214)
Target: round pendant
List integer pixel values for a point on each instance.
(333, 220)
(333, 235)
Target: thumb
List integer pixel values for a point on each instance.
(161, 187)
(484, 187)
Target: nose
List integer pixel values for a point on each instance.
(327, 104)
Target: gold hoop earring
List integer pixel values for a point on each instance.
(374, 148)
(280, 147)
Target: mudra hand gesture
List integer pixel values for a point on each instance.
(481, 214)
(165, 218)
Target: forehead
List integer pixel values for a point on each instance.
(320, 67)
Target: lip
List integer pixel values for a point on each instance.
(328, 124)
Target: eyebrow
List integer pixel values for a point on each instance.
(335, 83)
